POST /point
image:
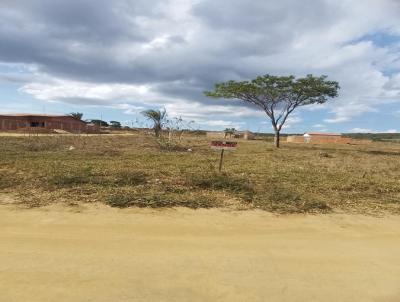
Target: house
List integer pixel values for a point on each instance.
(10, 122)
(319, 138)
(247, 135)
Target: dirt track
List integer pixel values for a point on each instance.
(103, 254)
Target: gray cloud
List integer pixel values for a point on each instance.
(181, 48)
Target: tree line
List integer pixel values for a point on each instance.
(277, 96)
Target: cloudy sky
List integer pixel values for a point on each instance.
(113, 59)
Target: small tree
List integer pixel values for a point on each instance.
(115, 124)
(158, 117)
(77, 115)
(278, 96)
(100, 123)
(178, 125)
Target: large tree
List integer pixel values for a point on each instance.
(100, 123)
(158, 117)
(115, 124)
(278, 96)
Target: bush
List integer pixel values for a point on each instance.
(170, 145)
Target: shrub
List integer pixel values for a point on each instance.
(170, 145)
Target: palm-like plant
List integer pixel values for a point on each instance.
(158, 117)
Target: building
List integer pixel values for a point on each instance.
(319, 138)
(247, 135)
(10, 122)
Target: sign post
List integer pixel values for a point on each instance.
(221, 145)
(220, 160)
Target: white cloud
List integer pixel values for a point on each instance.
(361, 130)
(135, 54)
(220, 124)
(292, 120)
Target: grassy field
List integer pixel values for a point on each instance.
(135, 170)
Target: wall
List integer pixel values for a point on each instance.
(319, 139)
(295, 139)
(70, 124)
(247, 135)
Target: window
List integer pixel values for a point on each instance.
(37, 124)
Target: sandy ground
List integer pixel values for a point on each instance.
(102, 254)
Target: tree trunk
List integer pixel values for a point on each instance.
(277, 138)
(170, 135)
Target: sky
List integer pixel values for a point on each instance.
(114, 59)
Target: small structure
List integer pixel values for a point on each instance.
(295, 139)
(12, 122)
(246, 135)
(319, 138)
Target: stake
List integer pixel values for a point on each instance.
(220, 160)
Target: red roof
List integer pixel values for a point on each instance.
(323, 133)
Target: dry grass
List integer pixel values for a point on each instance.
(134, 170)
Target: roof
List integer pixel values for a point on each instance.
(33, 114)
(323, 133)
(30, 115)
(243, 132)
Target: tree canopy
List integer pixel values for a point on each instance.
(77, 115)
(278, 96)
(99, 122)
(115, 124)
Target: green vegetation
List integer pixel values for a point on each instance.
(158, 118)
(278, 96)
(115, 124)
(99, 123)
(77, 115)
(375, 136)
(135, 170)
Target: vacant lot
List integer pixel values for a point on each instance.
(60, 240)
(136, 170)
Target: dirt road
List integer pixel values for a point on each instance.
(102, 254)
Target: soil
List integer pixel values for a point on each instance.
(97, 253)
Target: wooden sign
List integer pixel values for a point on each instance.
(221, 145)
